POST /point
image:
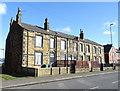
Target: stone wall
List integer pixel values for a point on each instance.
(78, 70)
(107, 68)
(63, 70)
(42, 72)
(55, 71)
(95, 69)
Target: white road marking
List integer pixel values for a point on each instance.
(114, 82)
(94, 87)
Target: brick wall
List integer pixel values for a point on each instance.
(85, 64)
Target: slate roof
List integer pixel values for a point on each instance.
(107, 48)
(51, 32)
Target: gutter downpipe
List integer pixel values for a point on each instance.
(27, 52)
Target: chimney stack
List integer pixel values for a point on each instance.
(81, 34)
(46, 24)
(18, 16)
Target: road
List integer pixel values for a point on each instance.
(103, 81)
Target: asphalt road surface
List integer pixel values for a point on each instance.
(103, 81)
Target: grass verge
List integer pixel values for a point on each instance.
(10, 77)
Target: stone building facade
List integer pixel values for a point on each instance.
(33, 46)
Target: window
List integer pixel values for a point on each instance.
(52, 43)
(63, 56)
(100, 60)
(112, 54)
(63, 45)
(88, 57)
(38, 58)
(94, 58)
(68, 43)
(81, 47)
(75, 46)
(94, 49)
(81, 57)
(75, 57)
(88, 48)
(39, 41)
(52, 58)
(99, 50)
(69, 56)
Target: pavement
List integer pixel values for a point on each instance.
(40, 80)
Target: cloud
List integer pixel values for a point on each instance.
(108, 32)
(64, 29)
(3, 8)
(107, 24)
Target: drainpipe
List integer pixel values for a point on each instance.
(84, 52)
(92, 52)
(27, 51)
(56, 46)
(77, 48)
(67, 52)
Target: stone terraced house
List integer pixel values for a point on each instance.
(32, 46)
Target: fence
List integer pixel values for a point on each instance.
(65, 63)
(85, 64)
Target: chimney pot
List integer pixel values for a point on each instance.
(46, 24)
(18, 16)
(81, 34)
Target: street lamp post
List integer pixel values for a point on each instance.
(112, 43)
(111, 32)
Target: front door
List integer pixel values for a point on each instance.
(52, 59)
(69, 59)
